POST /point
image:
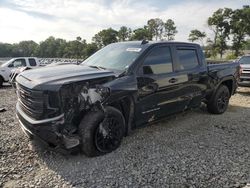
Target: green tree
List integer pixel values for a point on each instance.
(239, 28)
(219, 23)
(24, 48)
(61, 45)
(75, 49)
(247, 45)
(48, 48)
(124, 33)
(90, 49)
(210, 50)
(170, 29)
(246, 13)
(196, 35)
(6, 50)
(155, 28)
(141, 33)
(105, 37)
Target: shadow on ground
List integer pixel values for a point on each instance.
(6, 86)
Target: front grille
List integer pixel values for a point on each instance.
(32, 102)
(245, 74)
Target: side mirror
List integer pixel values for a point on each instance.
(147, 70)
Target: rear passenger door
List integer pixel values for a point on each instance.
(160, 89)
(189, 64)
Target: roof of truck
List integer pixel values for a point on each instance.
(148, 43)
(157, 42)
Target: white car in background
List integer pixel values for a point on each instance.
(9, 67)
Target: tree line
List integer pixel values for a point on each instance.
(156, 29)
(226, 24)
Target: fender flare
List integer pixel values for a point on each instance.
(227, 78)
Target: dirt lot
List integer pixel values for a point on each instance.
(192, 149)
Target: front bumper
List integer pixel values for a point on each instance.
(244, 80)
(48, 131)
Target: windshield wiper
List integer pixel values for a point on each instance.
(97, 67)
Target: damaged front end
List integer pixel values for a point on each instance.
(77, 100)
(62, 112)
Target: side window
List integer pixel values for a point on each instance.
(32, 62)
(158, 61)
(187, 59)
(19, 63)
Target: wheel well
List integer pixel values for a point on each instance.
(229, 84)
(126, 107)
(123, 107)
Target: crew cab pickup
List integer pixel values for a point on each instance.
(123, 86)
(7, 68)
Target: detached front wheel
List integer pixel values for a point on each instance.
(219, 103)
(101, 133)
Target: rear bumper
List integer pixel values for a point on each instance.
(48, 131)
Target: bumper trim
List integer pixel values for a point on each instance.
(23, 127)
(32, 121)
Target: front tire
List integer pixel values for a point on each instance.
(219, 103)
(100, 132)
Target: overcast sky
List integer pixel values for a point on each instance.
(38, 19)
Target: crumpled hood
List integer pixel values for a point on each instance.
(53, 77)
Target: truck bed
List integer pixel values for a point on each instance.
(223, 66)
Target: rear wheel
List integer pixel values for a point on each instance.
(101, 133)
(220, 101)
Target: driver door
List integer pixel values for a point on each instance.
(159, 88)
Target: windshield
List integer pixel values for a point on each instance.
(118, 56)
(4, 64)
(245, 60)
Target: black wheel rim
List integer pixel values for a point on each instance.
(108, 135)
(222, 101)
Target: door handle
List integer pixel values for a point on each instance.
(173, 80)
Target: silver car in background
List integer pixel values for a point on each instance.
(245, 70)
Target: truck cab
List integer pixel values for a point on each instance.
(7, 68)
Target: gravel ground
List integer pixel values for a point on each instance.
(192, 149)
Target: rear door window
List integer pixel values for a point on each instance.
(188, 58)
(32, 62)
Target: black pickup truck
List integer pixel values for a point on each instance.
(93, 105)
